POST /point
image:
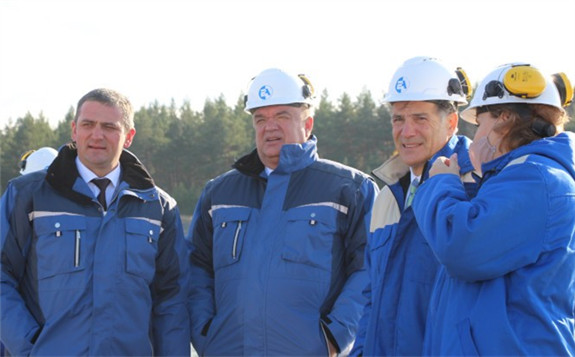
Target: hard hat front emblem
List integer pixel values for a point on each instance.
(265, 92)
(401, 84)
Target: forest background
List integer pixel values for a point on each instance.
(184, 148)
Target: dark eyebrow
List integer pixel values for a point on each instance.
(418, 114)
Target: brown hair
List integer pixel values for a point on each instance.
(518, 128)
(111, 98)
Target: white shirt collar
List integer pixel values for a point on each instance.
(413, 176)
(87, 175)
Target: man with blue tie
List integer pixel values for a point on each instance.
(423, 97)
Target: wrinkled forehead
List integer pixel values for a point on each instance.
(411, 107)
(274, 110)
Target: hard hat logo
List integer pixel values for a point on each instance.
(401, 85)
(265, 92)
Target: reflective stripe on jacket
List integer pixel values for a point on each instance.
(77, 282)
(277, 262)
(507, 282)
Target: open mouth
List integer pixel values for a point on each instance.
(273, 139)
(410, 146)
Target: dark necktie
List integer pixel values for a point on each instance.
(102, 184)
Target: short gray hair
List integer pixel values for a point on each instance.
(445, 107)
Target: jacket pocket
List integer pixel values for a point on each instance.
(230, 225)
(310, 235)
(141, 247)
(60, 248)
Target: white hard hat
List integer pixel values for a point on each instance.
(276, 87)
(519, 83)
(34, 160)
(426, 78)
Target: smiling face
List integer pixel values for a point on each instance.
(100, 136)
(420, 131)
(278, 125)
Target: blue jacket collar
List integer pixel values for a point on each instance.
(457, 144)
(293, 157)
(393, 169)
(560, 148)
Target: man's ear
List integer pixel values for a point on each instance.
(308, 126)
(73, 131)
(129, 138)
(452, 120)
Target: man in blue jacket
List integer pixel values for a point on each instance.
(278, 242)
(423, 96)
(88, 270)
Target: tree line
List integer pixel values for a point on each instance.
(184, 148)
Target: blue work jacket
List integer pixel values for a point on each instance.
(277, 261)
(76, 281)
(507, 282)
(402, 267)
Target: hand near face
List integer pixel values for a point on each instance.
(444, 165)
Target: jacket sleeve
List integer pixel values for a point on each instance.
(348, 307)
(201, 301)
(359, 343)
(18, 328)
(170, 288)
(498, 231)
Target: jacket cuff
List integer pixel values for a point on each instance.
(325, 322)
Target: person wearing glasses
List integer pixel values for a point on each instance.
(506, 285)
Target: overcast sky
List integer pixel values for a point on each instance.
(52, 51)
